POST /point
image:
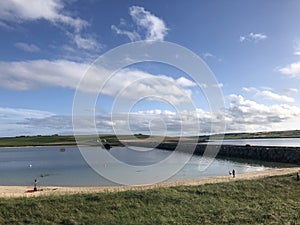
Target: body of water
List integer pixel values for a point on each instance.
(19, 166)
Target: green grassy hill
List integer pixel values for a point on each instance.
(114, 140)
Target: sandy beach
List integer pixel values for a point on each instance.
(21, 191)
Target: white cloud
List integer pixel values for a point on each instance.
(253, 37)
(275, 97)
(208, 55)
(182, 81)
(249, 89)
(291, 90)
(242, 38)
(27, 47)
(27, 75)
(132, 35)
(156, 29)
(218, 85)
(153, 27)
(53, 11)
(240, 115)
(246, 115)
(20, 114)
(50, 10)
(12, 119)
(86, 43)
(296, 47)
(292, 70)
(142, 84)
(5, 26)
(267, 93)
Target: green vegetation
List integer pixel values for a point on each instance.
(269, 134)
(267, 201)
(36, 141)
(116, 140)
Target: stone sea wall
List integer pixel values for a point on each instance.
(264, 153)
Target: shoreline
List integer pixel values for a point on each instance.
(20, 191)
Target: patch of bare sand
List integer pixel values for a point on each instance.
(21, 191)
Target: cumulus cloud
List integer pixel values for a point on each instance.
(12, 117)
(86, 43)
(292, 70)
(296, 47)
(53, 11)
(253, 37)
(153, 28)
(249, 89)
(275, 97)
(27, 47)
(139, 83)
(50, 10)
(27, 75)
(182, 81)
(247, 115)
(132, 35)
(267, 93)
(240, 115)
(291, 90)
(219, 85)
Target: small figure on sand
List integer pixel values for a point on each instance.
(35, 184)
(233, 173)
(298, 177)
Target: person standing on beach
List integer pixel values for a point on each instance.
(35, 184)
(233, 173)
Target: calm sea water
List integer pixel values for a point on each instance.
(19, 166)
(289, 142)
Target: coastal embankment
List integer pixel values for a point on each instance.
(264, 153)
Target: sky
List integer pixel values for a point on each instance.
(47, 47)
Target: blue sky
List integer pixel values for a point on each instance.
(252, 47)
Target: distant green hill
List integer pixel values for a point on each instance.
(269, 134)
(115, 141)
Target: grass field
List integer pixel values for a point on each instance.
(267, 201)
(115, 141)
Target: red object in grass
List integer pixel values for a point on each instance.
(30, 191)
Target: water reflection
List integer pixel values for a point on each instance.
(19, 166)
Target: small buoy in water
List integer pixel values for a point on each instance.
(62, 149)
(107, 146)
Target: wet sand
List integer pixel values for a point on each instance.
(21, 191)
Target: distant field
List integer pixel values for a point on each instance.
(272, 200)
(36, 141)
(115, 141)
(270, 134)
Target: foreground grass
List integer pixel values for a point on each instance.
(266, 201)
